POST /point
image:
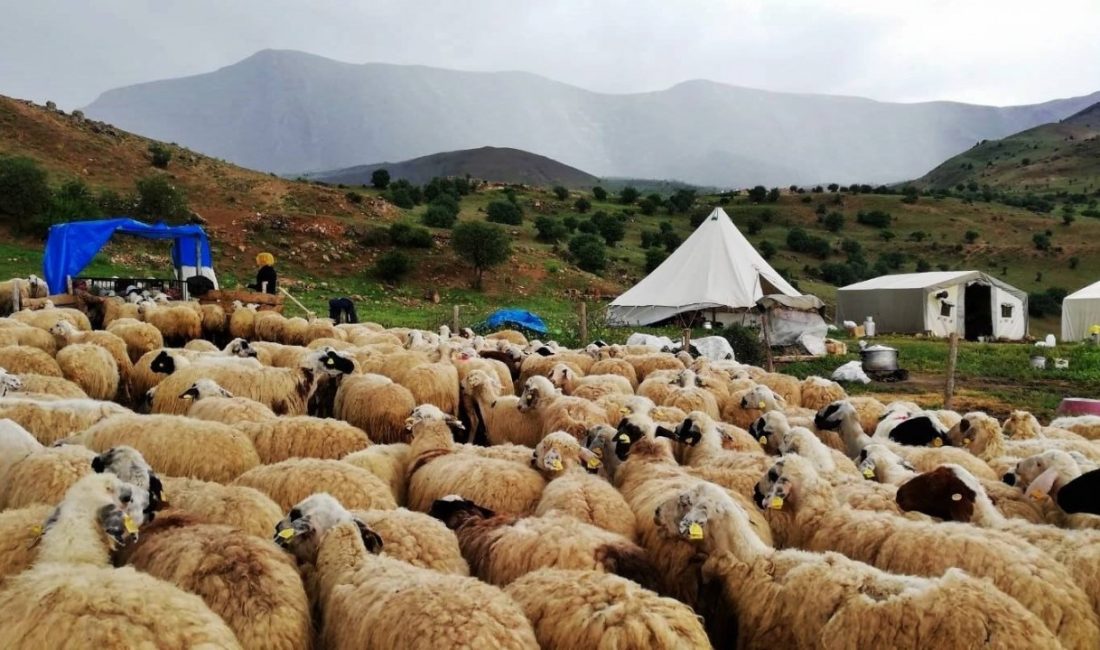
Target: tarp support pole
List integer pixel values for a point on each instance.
(952, 358)
(767, 342)
(584, 323)
(454, 319)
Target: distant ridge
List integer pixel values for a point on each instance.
(495, 164)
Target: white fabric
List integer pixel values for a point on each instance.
(715, 268)
(1014, 326)
(909, 280)
(1080, 311)
(851, 372)
(714, 348)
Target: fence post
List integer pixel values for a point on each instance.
(952, 358)
(770, 365)
(685, 339)
(454, 320)
(584, 323)
(16, 298)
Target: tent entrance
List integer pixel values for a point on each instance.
(978, 320)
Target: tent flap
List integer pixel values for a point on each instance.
(72, 246)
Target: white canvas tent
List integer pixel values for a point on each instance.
(1080, 311)
(716, 268)
(970, 303)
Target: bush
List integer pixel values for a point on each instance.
(112, 203)
(561, 192)
(887, 235)
(650, 239)
(402, 198)
(628, 195)
(833, 187)
(483, 245)
(892, 259)
(1073, 262)
(504, 212)
(653, 258)
(380, 178)
(403, 234)
(753, 227)
(392, 266)
(923, 266)
(665, 226)
(918, 236)
(570, 223)
(24, 193)
(971, 236)
(375, 236)
(746, 344)
(159, 199)
(773, 195)
(820, 210)
(599, 193)
(589, 252)
(758, 194)
(670, 240)
(582, 205)
(1041, 241)
(801, 242)
(73, 201)
(611, 227)
(875, 218)
(438, 216)
(681, 200)
(851, 248)
(354, 197)
(550, 230)
(767, 249)
(839, 274)
(647, 206)
(834, 221)
(1046, 303)
(160, 155)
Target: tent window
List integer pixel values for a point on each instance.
(1006, 310)
(945, 308)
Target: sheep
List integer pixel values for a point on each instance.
(435, 470)
(512, 336)
(15, 444)
(590, 387)
(658, 385)
(358, 591)
(907, 424)
(645, 364)
(434, 383)
(242, 321)
(65, 334)
(934, 493)
(139, 337)
(1022, 425)
(290, 481)
(44, 476)
(116, 309)
(200, 345)
(50, 421)
(708, 458)
(268, 326)
(558, 412)
(177, 323)
(591, 609)
(209, 401)
(388, 462)
(501, 548)
(983, 437)
(93, 604)
(24, 360)
(214, 321)
(247, 581)
(30, 287)
(818, 392)
(573, 491)
(278, 439)
(619, 367)
(92, 368)
(41, 385)
(1086, 426)
(19, 532)
(496, 417)
(793, 490)
(176, 445)
(28, 336)
(286, 391)
(241, 507)
(416, 538)
(375, 404)
(45, 318)
(688, 395)
(795, 599)
(784, 386)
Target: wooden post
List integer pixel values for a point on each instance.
(454, 320)
(770, 367)
(686, 340)
(952, 358)
(584, 323)
(16, 299)
(69, 284)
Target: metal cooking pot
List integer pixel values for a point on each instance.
(879, 358)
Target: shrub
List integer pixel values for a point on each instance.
(647, 206)
(589, 252)
(582, 205)
(892, 259)
(611, 227)
(874, 218)
(73, 201)
(923, 266)
(681, 200)
(380, 178)
(561, 192)
(599, 193)
(112, 203)
(767, 249)
(887, 235)
(801, 242)
(570, 223)
(833, 187)
(971, 236)
(392, 266)
(1068, 218)
(1041, 241)
(746, 344)
(1046, 303)
(628, 195)
(550, 230)
(24, 193)
(376, 236)
(408, 236)
(160, 155)
(650, 239)
(447, 201)
(354, 197)
(773, 195)
(588, 226)
(1073, 262)
(665, 226)
(820, 210)
(834, 221)
(483, 245)
(159, 199)
(758, 194)
(670, 240)
(438, 216)
(402, 198)
(653, 258)
(918, 236)
(838, 274)
(504, 212)
(753, 227)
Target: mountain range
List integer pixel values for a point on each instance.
(292, 112)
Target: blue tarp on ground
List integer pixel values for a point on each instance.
(516, 318)
(72, 246)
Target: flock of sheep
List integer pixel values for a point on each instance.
(309, 485)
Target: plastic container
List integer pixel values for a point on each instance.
(1039, 363)
(869, 326)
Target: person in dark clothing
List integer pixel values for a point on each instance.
(266, 262)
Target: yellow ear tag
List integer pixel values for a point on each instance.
(761, 405)
(594, 463)
(37, 530)
(966, 441)
(624, 411)
(286, 533)
(556, 465)
(936, 442)
(776, 503)
(129, 525)
(868, 473)
(763, 440)
(623, 438)
(695, 531)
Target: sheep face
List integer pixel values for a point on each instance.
(536, 392)
(686, 515)
(163, 363)
(874, 458)
(204, 388)
(941, 493)
(240, 348)
(330, 362)
(128, 464)
(432, 413)
(113, 503)
(454, 511)
(776, 489)
(757, 398)
(919, 431)
(1029, 469)
(561, 374)
(302, 530)
(832, 416)
(691, 430)
(767, 429)
(9, 383)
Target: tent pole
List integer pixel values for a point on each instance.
(584, 323)
(454, 320)
(952, 359)
(767, 342)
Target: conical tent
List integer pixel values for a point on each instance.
(1080, 312)
(715, 268)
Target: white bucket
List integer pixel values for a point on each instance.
(1039, 363)
(1061, 364)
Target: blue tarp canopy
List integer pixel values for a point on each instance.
(72, 246)
(516, 318)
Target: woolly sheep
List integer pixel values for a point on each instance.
(433, 383)
(619, 367)
(818, 392)
(558, 412)
(212, 402)
(416, 538)
(512, 336)
(65, 334)
(200, 345)
(375, 404)
(708, 457)
(278, 439)
(28, 336)
(497, 417)
(268, 326)
(359, 591)
(983, 437)
(116, 309)
(15, 443)
(645, 364)
(46, 318)
(92, 368)
(43, 477)
(40, 385)
(590, 387)
(241, 507)
(214, 321)
(21, 359)
(1022, 425)
(242, 321)
(290, 481)
(387, 462)
(1086, 426)
(19, 531)
(51, 421)
(177, 323)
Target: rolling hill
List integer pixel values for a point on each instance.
(494, 164)
(1053, 157)
(288, 112)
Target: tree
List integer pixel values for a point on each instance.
(561, 192)
(1068, 217)
(834, 221)
(403, 234)
(73, 201)
(504, 212)
(892, 259)
(910, 194)
(1041, 241)
(159, 199)
(681, 200)
(753, 227)
(599, 193)
(653, 259)
(773, 195)
(887, 235)
(439, 216)
(380, 179)
(918, 236)
(570, 223)
(482, 245)
(923, 266)
(874, 218)
(160, 155)
(550, 230)
(820, 210)
(582, 205)
(610, 227)
(971, 236)
(767, 249)
(24, 193)
(628, 195)
(833, 187)
(670, 240)
(758, 194)
(589, 252)
(647, 206)
(392, 266)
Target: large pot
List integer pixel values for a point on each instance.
(879, 358)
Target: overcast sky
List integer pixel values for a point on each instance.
(982, 51)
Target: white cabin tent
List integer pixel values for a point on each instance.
(715, 269)
(1080, 312)
(970, 303)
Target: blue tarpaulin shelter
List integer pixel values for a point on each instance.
(516, 318)
(72, 246)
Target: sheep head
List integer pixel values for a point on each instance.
(921, 430)
(537, 391)
(947, 492)
(204, 388)
(1029, 469)
(692, 430)
(768, 429)
(832, 416)
(99, 503)
(687, 515)
(778, 489)
(454, 511)
(129, 465)
(560, 452)
(62, 328)
(305, 526)
(561, 374)
(164, 363)
(875, 458)
(9, 383)
(1021, 424)
(239, 347)
(329, 362)
(761, 398)
(432, 413)
(974, 431)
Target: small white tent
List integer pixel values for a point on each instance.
(716, 268)
(1080, 311)
(970, 303)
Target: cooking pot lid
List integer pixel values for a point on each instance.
(879, 348)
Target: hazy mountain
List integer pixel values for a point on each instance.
(499, 164)
(288, 112)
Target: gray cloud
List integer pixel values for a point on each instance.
(982, 51)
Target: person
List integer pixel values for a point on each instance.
(266, 262)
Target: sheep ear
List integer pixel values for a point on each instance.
(224, 392)
(1081, 494)
(99, 464)
(662, 432)
(592, 462)
(371, 539)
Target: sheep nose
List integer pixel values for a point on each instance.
(1009, 478)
